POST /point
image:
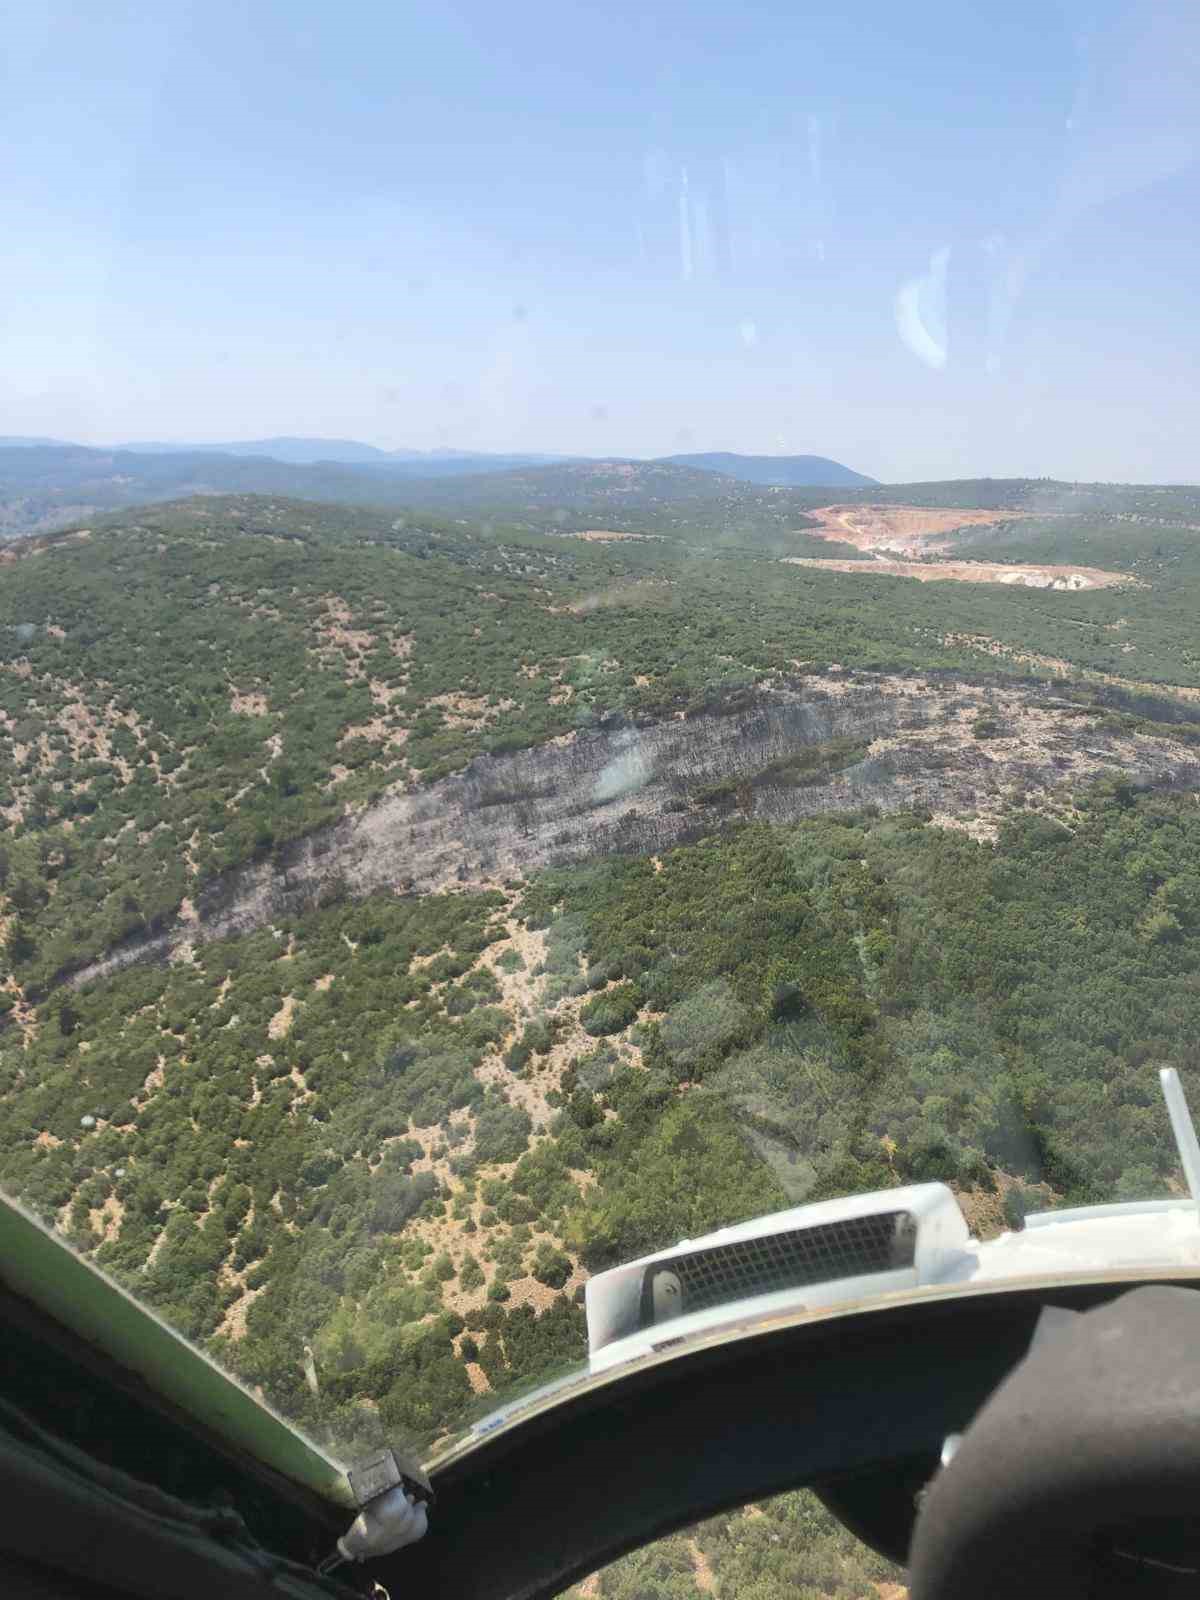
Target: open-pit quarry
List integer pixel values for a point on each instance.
(915, 541)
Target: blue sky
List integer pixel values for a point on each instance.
(930, 241)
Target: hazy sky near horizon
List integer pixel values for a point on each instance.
(930, 241)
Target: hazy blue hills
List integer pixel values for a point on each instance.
(44, 486)
(780, 471)
(301, 452)
(47, 484)
(21, 441)
(789, 472)
(310, 452)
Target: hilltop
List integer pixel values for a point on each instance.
(784, 471)
(16, 441)
(646, 496)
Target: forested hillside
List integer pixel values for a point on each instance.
(387, 1127)
(365, 1136)
(190, 689)
(789, 1546)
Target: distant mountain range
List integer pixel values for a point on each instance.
(772, 471)
(779, 471)
(20, 441)
(300, 452)
(43, 487)
(46, 484)
(309, 452)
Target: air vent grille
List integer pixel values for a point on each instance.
(855, 1246)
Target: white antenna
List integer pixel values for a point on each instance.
(1183, 1129)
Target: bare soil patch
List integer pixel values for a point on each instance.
(247, 702)
(608, 536)
(1066, 669)
(339, 638)
(233, 1325)
(280, 1024)
(706, 1580)
(468, 711)
(105, 1221)
(1027, 576)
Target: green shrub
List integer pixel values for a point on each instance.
(470, 1274)
(501, 1133)
(550, 1266)
(395, 1198)
(1015, 1207)
(612, 1011)
(516, 1208)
